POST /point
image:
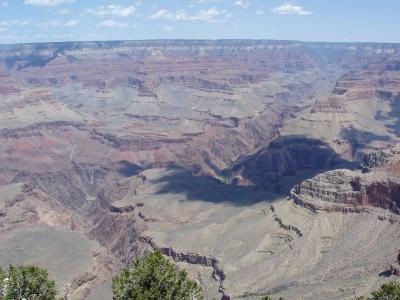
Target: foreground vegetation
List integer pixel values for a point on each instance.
(388, 291)
(26, 282)
(152, 278)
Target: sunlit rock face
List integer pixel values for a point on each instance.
(238, 159)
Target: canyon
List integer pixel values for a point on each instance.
(261, 167)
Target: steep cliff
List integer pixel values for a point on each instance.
(353, 191)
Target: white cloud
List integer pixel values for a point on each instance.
(4, 3)
(15, 22)
(212, 15)
(63, 11)
(205, 1)
(112, 10)
(260, 12)
(242, 3)
(162, 13)
(51, 23)
(167, 28)
(290, 9)
(58, 23)
(71, 23)
(47, 2)
(11, 38)
(110, 23)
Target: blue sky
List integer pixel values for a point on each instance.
(307, 20)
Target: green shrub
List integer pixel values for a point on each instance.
(26, 282)
(388, 291)
(155, 277)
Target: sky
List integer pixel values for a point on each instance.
(23, 21)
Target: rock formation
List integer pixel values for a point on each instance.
(111, 149)
(353, 191)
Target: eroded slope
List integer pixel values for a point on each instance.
(100, 141)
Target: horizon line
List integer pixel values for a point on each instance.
(201, 40)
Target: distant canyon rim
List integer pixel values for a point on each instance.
(261, 167)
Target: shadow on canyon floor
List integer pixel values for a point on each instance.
(358, 140)
(395, 114)
(127, 169)
(207, 189)
(272, 172)
(357, 137)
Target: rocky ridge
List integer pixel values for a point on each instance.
(354, 191)
(95, 135)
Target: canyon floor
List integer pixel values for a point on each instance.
(261, 167)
